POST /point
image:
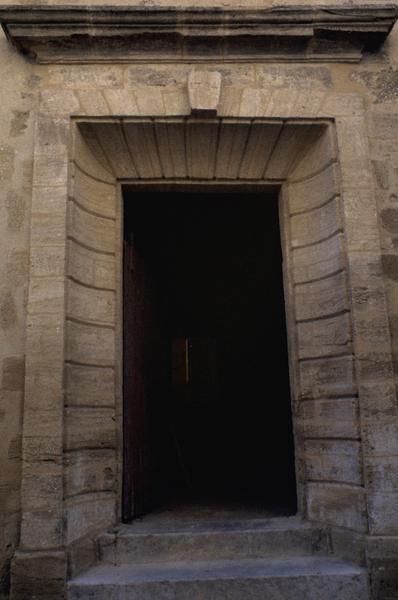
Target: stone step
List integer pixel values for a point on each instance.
(143, 543)
(300, 578)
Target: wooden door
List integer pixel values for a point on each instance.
(136, 386)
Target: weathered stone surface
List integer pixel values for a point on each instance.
(378, 401)
(115, 149)
(40, 575)
(318, 260)
(315, 191)
(89, 428)
(381, 437)
(316, 225)
(142, 144)
(90, 385)
(175, 102)
(90, 267)
(337, 418)
(384, 576)
(6, 162)
(171, 142)
(242, 539)
(383, 513)
(293, 77)
(334, 460)
(327, 338)
(382, 553)
(59, 101)
(230, 101)
(44, 342)
(82, 555)
(93, 103)
(121, 101)
(374, 364)
(13, 373)
(308, 103)
(260, 144)
(90, 305)
(90, 344)
(89, 155)
(322, 298)
(89, 471)
(201, 147)
(94, 195)
(47, 261)
(312, 578)
(204, 89)
(325, 377)
(336, 504)
(89, 514)
(41, 529)
(43, 485)
(86, 77)
(91, 230)
(231, 149)
(354, 156)
(319, 154)
(382, 473)
(349, 545)
(343, 105)
(293, 141)
(46, 295)
(52, 135)
(360, 217)
(274, 104)
(50, 170)
(16, 210)
(216, 34)
(49, 228)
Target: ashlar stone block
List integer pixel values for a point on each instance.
(204, 88)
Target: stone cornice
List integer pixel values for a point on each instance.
(90, 34)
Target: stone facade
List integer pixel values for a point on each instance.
(325, 130)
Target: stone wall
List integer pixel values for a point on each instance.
(273, 89)
(17, 101)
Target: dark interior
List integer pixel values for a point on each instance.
(214, 357)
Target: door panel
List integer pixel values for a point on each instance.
(136, 405)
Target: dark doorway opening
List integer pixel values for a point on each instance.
(207, 412)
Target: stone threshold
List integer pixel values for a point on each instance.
(307, 577)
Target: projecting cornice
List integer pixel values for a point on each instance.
(90, 34)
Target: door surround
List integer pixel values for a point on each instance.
(72, 417)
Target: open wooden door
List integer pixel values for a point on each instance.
(137, 327)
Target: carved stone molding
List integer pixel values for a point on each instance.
(92, 34)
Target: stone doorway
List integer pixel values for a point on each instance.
(327, 291)
(207, 406)
(297, 157)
